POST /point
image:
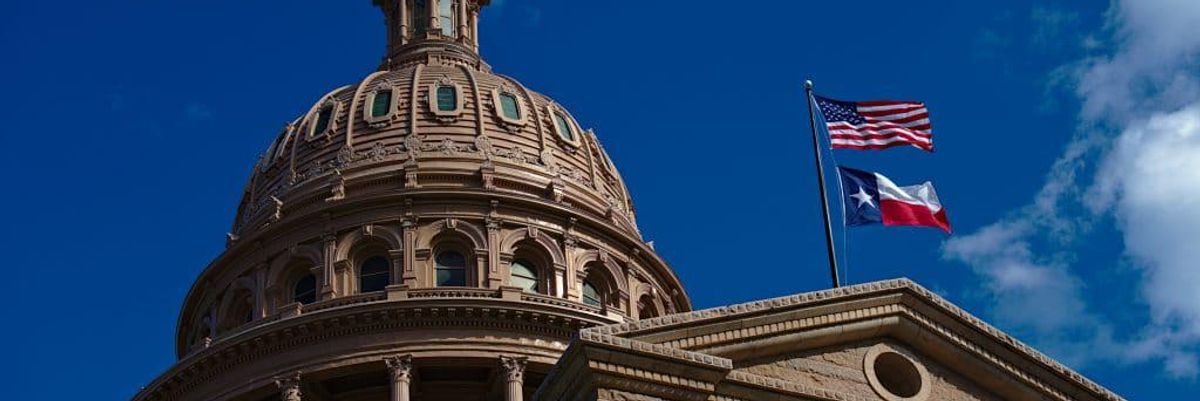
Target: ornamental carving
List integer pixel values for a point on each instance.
(289, 386)
(514, 368)
(399, 367)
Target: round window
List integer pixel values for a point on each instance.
(894, 376)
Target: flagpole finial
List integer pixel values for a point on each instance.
(808, 84)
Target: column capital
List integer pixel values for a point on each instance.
(514, 367)
(400, 367)
(289, 386)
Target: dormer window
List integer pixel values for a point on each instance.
(381, 103)
(322, 122)
(563, 126)
(509, 106)
(445, 99)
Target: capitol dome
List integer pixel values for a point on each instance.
(434, 229)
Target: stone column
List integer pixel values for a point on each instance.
(400, 370)
(435, 19)
(462, 21)
(328, 290)
(514, 376)
(403, 23)
(289, 387)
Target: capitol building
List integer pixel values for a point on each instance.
(439, 232)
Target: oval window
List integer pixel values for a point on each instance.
(564, 127)
(381, 105)
(323, 119)
(447, 98)
(509, 106)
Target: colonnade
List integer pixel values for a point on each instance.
(400, 374)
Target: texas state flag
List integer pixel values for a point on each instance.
(871, 198)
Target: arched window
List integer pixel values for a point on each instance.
(374, 274)
(447, 98)
(524, 275)
(451, 269)
(447, 16)
(563, 127)
(647, 308)
(305, 290)
(381, 103)
(591, 294)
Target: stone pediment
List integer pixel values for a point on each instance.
(892, 340)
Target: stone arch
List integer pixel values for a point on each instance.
(394, 239)
(476, 235)
(612, 269)
(229, 303)
(356, 246)
(308, 254)
(644, 293)
(287, 266)
(508, 244)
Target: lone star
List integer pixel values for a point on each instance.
(863, 198)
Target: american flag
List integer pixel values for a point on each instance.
(876, 124)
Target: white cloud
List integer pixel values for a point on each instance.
(1140, 117)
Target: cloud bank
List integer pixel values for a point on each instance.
(1140, 122)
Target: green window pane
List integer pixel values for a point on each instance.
(564, 128)
(524, 276)
(382, 104)
(451, 269)
(591, 296)
(374, 274)
(509, 106)
(447, 98)
(323, 118)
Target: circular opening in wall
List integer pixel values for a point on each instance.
(895, 376)
(898, 375)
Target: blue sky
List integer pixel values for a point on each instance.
(1068, 136)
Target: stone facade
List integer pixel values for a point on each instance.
(892, 341)
(437, 231)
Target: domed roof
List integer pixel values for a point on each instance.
(437, 120)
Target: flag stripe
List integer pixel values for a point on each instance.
(882, 147)
(872, 129)
(878, 137)
(876, 124)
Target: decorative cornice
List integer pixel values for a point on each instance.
(614, 335)
(481, 309)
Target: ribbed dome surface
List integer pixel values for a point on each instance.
(499, 136)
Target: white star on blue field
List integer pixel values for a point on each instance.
(1068, 136)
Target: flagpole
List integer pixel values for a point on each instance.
(812, 122)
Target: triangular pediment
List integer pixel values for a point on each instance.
(892, 340)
